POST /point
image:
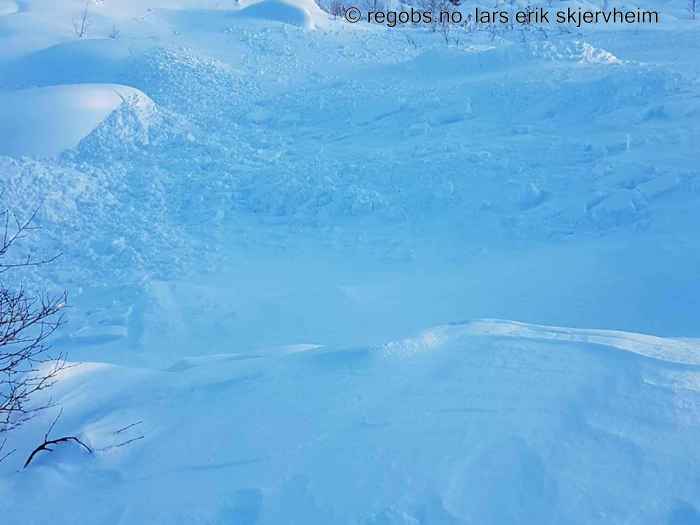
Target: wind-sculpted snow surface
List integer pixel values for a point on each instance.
(486, 421)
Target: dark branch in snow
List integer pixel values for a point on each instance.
(14, 230)
(46, 444)
(127, 427)
(122, 444)
(49, 442)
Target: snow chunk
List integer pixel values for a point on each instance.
(594, 55)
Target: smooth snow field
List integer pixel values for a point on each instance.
(332, 273)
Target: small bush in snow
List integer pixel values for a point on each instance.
(27, 320)
(81, 22)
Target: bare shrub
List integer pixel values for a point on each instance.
(27, 320)
(81, 22)
(114, 33)
(336, 8)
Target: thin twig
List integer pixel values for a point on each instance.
(127, 427)
(122, 444)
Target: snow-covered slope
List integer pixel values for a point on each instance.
(8, 7)
(457, 425)
(43, 122)
(252, 198)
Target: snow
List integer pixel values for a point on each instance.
(302, 13)
(471, 427)
(44, 122)
(102, 60)
(8, 7)
(273, 225)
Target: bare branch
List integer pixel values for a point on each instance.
(127, 427)
(49, 442)
(122, 444)
(27, 321)
(45, 447)
(48, 432)
(8, 454)
(126, 441)
(81, 22)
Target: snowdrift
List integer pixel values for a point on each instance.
(100, 60)
(301, 13)
(43, 122)
(481, 422)
(8, 7)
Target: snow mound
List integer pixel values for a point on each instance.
(301, 13)
(74, 62)
(44, 122)
(8, 7)
(679, 351)
(488, 427)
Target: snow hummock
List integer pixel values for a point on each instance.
(679, 351)
(488, 423)
(46, 121)
(98, 60)
(8, 7)
(302, 13)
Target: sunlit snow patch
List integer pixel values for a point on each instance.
(594, 55)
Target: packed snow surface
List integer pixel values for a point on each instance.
(273, 225)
